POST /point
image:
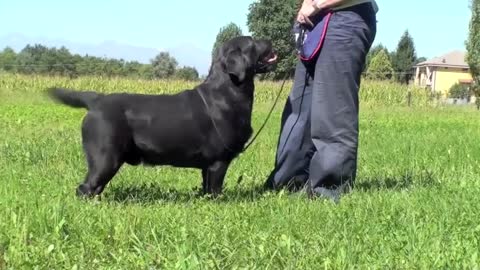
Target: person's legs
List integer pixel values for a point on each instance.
(335, 104)
(294, 143)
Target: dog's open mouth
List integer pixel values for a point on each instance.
(270, 58)
(267, 63)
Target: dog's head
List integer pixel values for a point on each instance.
(243, 57)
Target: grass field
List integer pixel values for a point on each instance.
(416, 204)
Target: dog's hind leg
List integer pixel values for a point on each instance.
(101, 169)
(104, 153)
(213, 177)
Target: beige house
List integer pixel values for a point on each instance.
(440, 73)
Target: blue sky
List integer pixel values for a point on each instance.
(436, 26)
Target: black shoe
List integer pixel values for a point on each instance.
(297, 183)
(268, 185)
(324, 193)
(327, 193)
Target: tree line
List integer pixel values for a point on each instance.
(39, 59)
(266, 19)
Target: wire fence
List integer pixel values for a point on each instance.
(413, 92)
(143, 64)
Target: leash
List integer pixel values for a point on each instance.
(269, 113)
(259, 130)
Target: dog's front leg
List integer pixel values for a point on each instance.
(213, 177)
(205, 183)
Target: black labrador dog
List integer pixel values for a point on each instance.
(205, 127)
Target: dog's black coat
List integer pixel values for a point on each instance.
(174, 130)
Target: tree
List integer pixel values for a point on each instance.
(226, 33)
(380, 67)
(164, 65)
(147, 72)
(132, 69)
(376, 49)
(187, 73)
(373, 51)
(273, 19)
(420, 59)
(64, 63)
(39, 59)
(459, 91)
(90, 65)
(32, 60)
(7, 59)
(473, 49)
(404, 58)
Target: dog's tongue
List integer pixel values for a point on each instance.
(272, 57)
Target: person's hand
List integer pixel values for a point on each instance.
(302, 19)
(306, 11)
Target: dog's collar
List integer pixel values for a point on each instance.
(260, 66)
(287, 75)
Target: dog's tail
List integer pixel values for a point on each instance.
(76, 99)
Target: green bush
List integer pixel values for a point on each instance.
(460, 91)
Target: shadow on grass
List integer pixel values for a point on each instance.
(401, 182)
(155, 193)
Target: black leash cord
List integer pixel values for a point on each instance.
(259, 130)
(269, 113)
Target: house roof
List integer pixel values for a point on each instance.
(451, 59)
(466, 81)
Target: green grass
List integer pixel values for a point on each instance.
(416, 204)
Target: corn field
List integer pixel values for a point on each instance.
(372, 93)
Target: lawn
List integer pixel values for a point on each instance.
(416, 204)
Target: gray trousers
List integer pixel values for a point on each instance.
(318, 140)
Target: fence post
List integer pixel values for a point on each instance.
(409, 98)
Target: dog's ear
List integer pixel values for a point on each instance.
(235, 64)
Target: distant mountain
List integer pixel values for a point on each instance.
(186, 54)
(189, 55)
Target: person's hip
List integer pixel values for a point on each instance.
(356, 16)
(352, 23)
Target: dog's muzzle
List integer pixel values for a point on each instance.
(263, 65)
